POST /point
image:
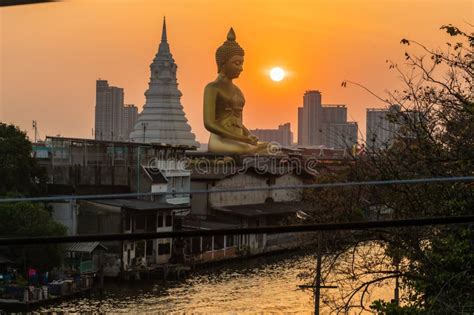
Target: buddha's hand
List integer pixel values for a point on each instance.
(253, 139)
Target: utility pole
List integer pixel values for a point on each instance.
(316, 287)
(317, 283)
(396, 291)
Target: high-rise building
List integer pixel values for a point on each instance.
(380, 129)
(324, 125)
(338, 135)
(108, 111)
(282, 135)
(300, 125)
(129, 118)
(162, 119)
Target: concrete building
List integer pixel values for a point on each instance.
(264, 206)
(300, 125)
(86, 166)
(129, 216)
(380, 129)
(282, 135)
(129, 118)
(338, 135)
(108, 111)
(324, 125)
(162, 119)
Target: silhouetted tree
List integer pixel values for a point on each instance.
(434, 138)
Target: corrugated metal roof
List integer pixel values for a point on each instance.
(88, 247)
(269, 208)
(138, 204)
(189, 224)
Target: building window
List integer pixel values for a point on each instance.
(151, 223)
(140, 249)
(140, 222)
(229, 242)
(149, 248)
(219, 242)
(164, 249)
(160, 220)
(128, 225)
(271, 181)
(207, 243)
(169, 220)
(196, 244)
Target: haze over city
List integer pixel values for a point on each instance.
(53, 53)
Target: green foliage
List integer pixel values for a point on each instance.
(19, 173)
(392, 308)
(31, 220)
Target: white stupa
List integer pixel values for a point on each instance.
(162, 119)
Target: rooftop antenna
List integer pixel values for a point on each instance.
(35, 128)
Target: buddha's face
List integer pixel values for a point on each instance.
(234, 66)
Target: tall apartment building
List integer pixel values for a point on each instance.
(282, 135)
(324, 125)
(129, 118)
(379, 128)
(300, 125)
(108, 111)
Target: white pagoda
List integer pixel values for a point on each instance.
(162, 119)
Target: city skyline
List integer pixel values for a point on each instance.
(57, 62)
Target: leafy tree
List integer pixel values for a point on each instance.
(26, 219)
(19, 172)
(20, 175)
(434, 138)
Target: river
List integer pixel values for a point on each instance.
(258, 285)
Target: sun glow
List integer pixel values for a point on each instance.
(277, 74)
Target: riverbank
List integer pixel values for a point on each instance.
(28, 298)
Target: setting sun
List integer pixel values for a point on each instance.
(277, 74)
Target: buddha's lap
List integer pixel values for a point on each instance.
(220, 144)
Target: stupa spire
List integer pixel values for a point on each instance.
(164, 37)
(162, 119)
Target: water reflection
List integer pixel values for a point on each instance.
(267, 284)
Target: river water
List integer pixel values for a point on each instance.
(258, 285)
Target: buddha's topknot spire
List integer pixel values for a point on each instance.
(231, 35)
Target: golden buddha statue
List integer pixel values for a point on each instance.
(223, 105)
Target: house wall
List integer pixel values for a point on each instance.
(151, 249)
(281, 195)
(239, 198)
(98, 220)
(253, 197)
(159, 188)
(199, 204)
(66, 214)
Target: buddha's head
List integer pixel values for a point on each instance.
(230, 57)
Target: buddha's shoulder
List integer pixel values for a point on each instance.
(214, 85)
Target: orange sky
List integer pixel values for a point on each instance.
(51, 54)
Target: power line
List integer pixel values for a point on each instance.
(223, 190)
(361, 225)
